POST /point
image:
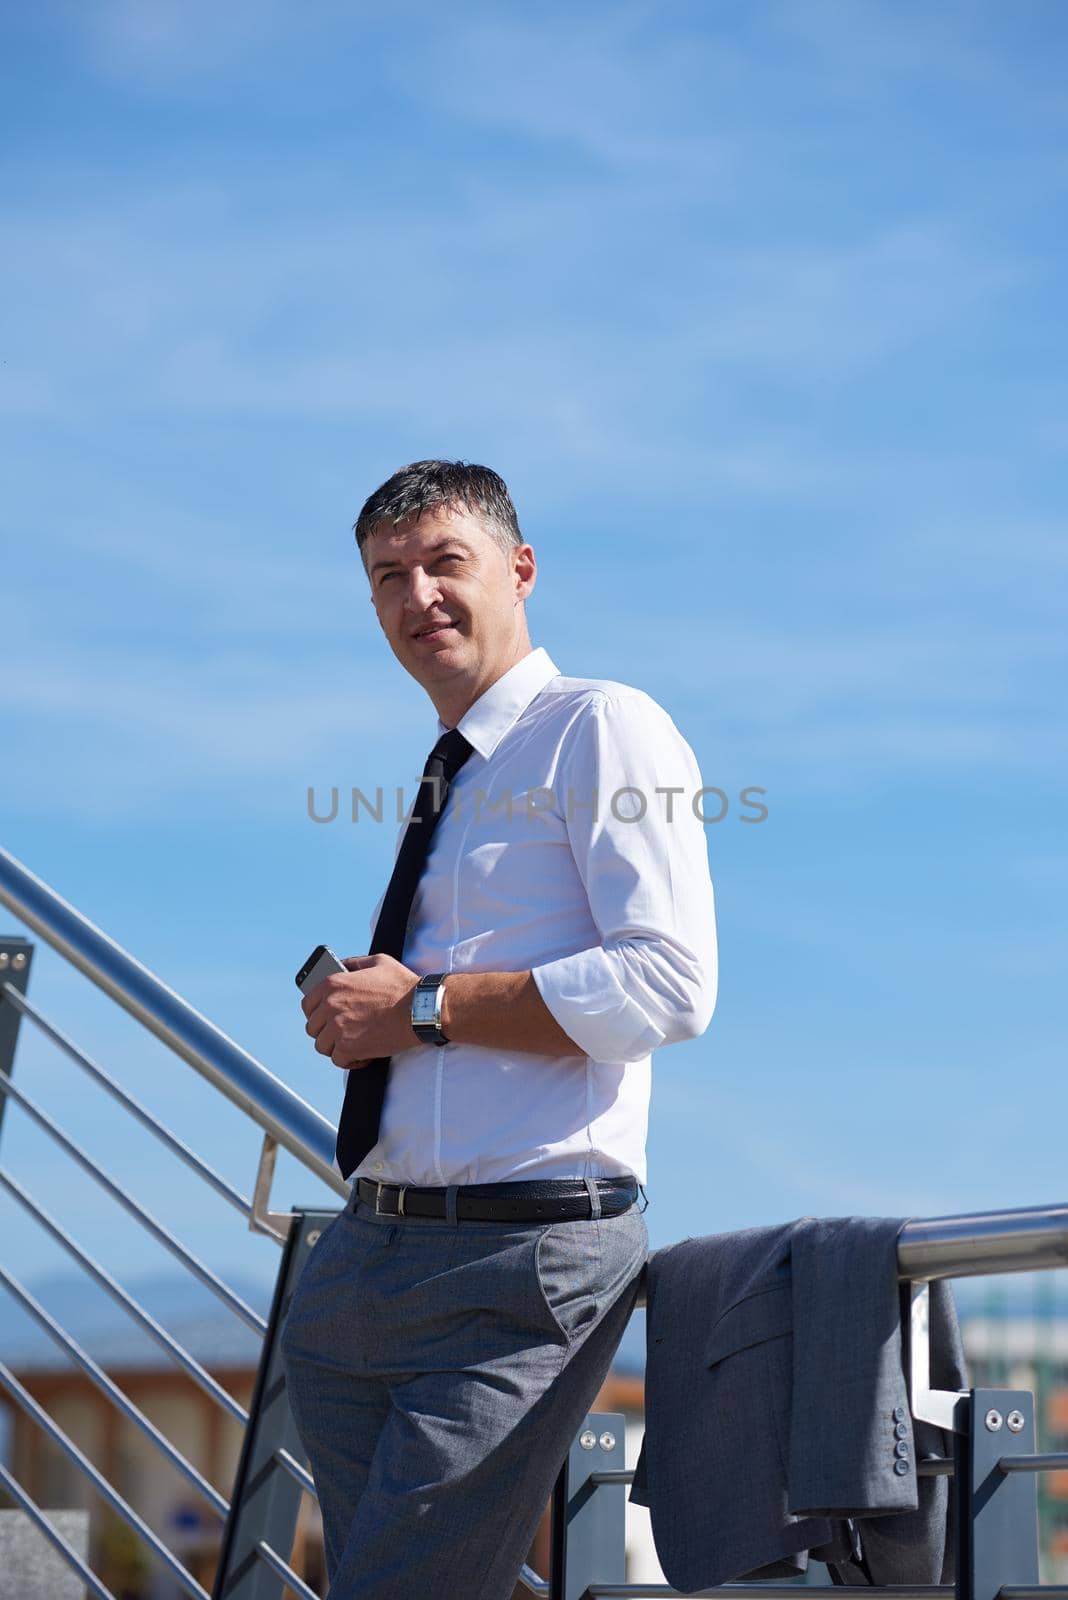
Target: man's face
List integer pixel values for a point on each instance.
(449, 599)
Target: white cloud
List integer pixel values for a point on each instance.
(176, 304)
(614, 85)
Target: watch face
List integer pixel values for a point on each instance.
(423, 1005)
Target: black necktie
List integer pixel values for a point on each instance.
(365, 1092)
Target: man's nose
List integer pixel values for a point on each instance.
(422, 591)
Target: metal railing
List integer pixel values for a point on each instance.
(286, 1121)
(992, 1464)
(259, 1520)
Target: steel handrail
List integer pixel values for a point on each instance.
(1028, 1239)
(296, 1125)
(976, 1244)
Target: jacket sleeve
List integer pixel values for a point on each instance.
(629, 785)
(851, 1448)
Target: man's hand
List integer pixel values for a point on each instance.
(366, 1012)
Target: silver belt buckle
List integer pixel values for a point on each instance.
(381, 1184)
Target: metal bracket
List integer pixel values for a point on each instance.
(589, 1519)
(261, 1219)
(16, 956)
(928, 1405)
(998, 1521)
(265, 1502)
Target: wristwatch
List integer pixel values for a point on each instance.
(426, 1008)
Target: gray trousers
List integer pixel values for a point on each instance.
(438, 1372)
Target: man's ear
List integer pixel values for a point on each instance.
(524, 570)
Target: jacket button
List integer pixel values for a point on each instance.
(901, 1430)
(901, 1449)
(901, 1467)
(900, 1413)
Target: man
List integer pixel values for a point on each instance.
(455, 1322)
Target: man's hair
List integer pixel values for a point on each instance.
(427, 485)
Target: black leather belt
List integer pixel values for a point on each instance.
(550, 1200)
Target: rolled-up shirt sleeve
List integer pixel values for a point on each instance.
(642, 855)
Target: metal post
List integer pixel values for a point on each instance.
(266, 1498)
(16, 954)
(589, 1522)
(997, 1511)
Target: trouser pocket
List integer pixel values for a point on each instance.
(582, 1266)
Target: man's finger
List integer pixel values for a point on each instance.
(327, 1042)
(312, 999)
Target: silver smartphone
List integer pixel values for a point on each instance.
(319, 965)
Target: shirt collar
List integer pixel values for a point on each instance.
(485, 723)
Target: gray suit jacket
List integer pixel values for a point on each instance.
(777, 1419)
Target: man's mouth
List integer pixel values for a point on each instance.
(430, 630)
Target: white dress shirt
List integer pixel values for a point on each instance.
(540, 862)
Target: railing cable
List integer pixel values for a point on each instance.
(13, 1487)
(108, 1387)
(282, 1570)
(111, 1286)
(121, 1507)
(177, 1146)
(147, 1221)
(295, 1470)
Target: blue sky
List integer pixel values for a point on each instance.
(759, 311)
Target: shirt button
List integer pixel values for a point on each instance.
(379, 1165)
